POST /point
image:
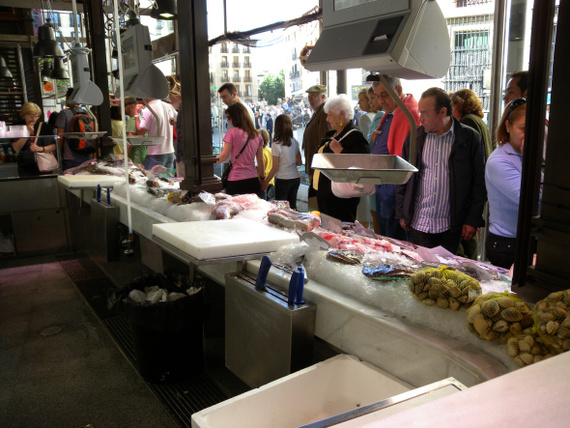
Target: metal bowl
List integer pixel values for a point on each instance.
(364, 168)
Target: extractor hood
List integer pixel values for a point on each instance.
(404, 38)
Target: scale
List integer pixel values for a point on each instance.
(363, 168)
(85, 135)
(148, 140)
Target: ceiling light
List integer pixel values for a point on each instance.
(4, 70)
(164, 9)
(59, 70)
(47, 47)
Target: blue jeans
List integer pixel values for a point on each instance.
(386, 212)
(164, 160)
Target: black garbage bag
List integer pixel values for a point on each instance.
(167, 336)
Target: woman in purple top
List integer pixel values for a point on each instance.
(245, 175)
(503, 175)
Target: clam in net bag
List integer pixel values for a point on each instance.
(444, 287)
(552, 315)
(499, 316)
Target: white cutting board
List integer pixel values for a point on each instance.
(88, 181)
(210, 239)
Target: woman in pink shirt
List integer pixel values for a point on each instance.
(245, 175)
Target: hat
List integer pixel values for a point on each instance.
(320, 89)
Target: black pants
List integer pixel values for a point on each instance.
(500, 250)
(343, 209)
(241, 187)
(449, 239)
(286, 190)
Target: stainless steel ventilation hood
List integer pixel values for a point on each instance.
(408, 39)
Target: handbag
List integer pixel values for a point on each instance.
(46, 161)
(230, 165)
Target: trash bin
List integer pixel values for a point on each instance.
(167, 335)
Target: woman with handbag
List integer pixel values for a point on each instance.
(244, 145)
(35, 155)
(344, 138)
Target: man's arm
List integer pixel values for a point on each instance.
(401, 188)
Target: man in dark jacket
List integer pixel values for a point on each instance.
(444, 200)
(314, 132)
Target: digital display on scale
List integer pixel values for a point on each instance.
(346, 4)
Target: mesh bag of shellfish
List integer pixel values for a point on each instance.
(527, 348)
(444, 287)
(499, 316)
(552, 315)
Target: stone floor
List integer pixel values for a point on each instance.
(59, 366)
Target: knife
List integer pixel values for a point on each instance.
(261, 280)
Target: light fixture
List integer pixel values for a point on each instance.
(59, 70)
(164, 9)
(47, 47)
(373, 77)
(46, 71)
(84, 90)
(4, 70)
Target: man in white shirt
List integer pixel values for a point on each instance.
(146, 122)
(228, 94)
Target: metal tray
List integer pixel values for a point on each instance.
(139, 141)
(87, 135)
(363, 168)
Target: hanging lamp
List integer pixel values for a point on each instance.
(59, 70)
(47, 47)
(46, 71)
(4, 70)
(164, 9)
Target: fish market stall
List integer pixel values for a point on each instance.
(379, 321)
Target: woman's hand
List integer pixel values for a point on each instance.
(263, 184)
(35, 148)
(335, 146)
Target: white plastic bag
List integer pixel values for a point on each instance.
(351, 190)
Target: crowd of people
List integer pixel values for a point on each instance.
(459, 168)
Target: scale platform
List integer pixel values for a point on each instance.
(364, 168)
(86, 135)
(139, 141)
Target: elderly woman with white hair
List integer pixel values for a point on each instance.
(345, 137)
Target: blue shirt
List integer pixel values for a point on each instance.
(380, 146)
(503, 180)
(432, 199)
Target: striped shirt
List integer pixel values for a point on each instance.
(431, 214)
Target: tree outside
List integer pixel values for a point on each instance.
(272, 88)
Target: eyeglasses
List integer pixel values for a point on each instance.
(514, 105)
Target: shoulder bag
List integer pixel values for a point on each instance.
(46, 161)
(230, 165)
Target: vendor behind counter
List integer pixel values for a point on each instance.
(27, 147)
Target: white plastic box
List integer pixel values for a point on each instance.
(337, 385)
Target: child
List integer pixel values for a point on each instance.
(286, 157)
(268, 194)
